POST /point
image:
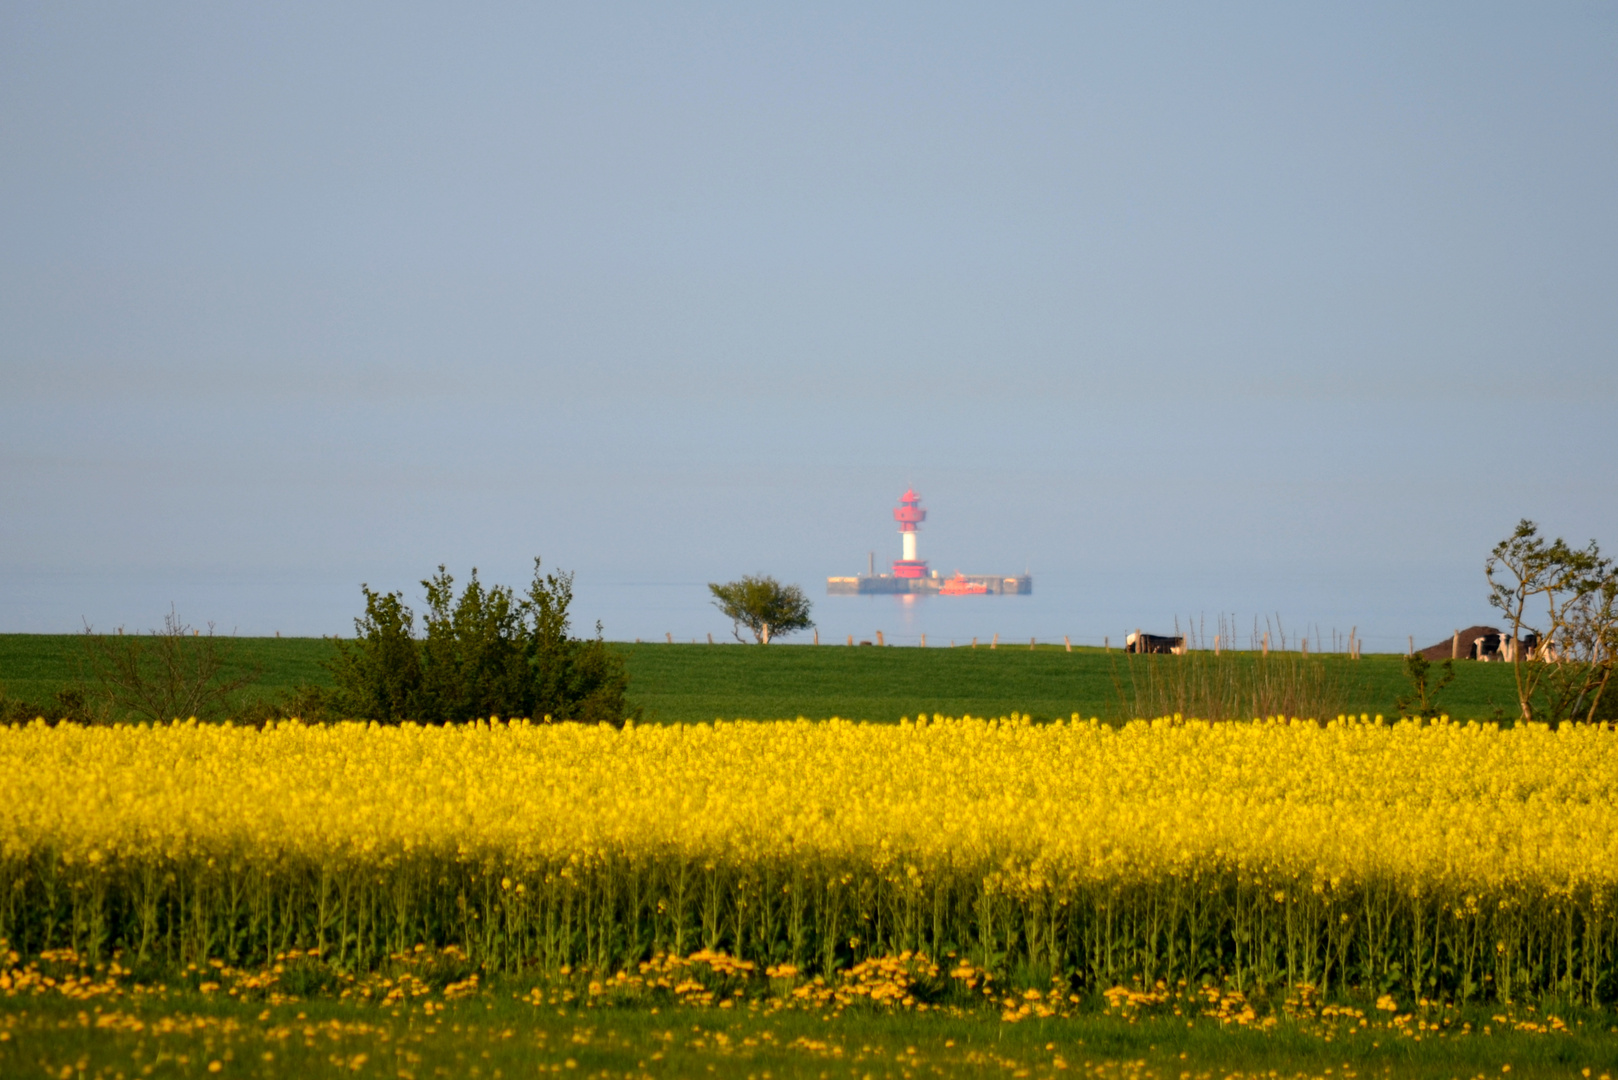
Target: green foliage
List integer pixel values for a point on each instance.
(473, 659)
(487, 652)
(766, 607)
(1422, 700)
(379, 676)
(65, 704)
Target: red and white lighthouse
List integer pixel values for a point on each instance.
(909, 514)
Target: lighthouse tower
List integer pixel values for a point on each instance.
(909, 514)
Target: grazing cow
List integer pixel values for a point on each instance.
(1498, 647)
(1154, 643)
(1486, 643)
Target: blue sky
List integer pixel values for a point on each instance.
(1285, 309)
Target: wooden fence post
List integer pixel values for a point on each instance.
(670, 636)
(924, 641)
(1455, 646)
(995, 644)
(879, 640)
(817, 639)
(1066, 641)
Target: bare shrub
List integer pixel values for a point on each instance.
(173, 673)
(1268, 679)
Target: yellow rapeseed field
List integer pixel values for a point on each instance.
(1447, 859)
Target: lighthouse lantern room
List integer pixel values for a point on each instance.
(909, 514)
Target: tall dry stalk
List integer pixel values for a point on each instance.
(1230, 684)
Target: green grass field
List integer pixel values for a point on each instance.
(698, 683)
(34, 667)
(684, 683)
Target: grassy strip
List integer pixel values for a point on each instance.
(35, 667)
(701, 683)
(695, 683)
(85, 1030)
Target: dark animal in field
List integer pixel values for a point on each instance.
(1153, 643)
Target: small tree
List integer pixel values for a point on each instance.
(766, 607)
(1589, 650)
(1424, 689)
(1573, 640)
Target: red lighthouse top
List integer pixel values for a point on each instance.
(909, 514)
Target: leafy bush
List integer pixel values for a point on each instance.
(68, 704)
(488, 652)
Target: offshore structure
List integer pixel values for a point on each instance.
(910, 574)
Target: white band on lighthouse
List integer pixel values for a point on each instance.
(909, 539)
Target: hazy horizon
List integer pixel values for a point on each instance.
(1256, 309)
